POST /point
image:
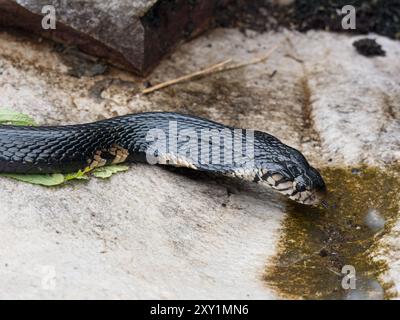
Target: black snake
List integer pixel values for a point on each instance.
(163, 138)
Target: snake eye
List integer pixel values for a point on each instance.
(300, 187)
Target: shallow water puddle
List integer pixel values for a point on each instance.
(318, 242)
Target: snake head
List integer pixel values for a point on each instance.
(308, 187)
(305, 186)
(286, 170)
(291, 174)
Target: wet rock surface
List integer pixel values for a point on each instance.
(154, 233)
(320, 246)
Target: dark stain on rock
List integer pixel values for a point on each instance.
(308, 133)
(81, 64)
(317, 243)
(391, 106)
(369, 47)
(307, 121)
(97, 88)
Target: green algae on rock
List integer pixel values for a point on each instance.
(317, 243)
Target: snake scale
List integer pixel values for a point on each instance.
(132, 138)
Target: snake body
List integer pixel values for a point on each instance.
(140, 138)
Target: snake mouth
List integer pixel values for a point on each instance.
(309, 197)
(312, 195)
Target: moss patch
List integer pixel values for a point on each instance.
(318, 242)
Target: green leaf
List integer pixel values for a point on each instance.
(41, 179)
(108, 171)
(8, 116)
(80, 175)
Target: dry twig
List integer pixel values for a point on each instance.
(219, 67)
(205, 71)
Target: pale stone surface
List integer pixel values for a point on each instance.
(151, 233)
(148, 233)
(355, 99)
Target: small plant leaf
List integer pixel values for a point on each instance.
(47, 180)
(80, 175)
(108, 171)
(8, 116)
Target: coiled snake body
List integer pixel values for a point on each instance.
(164, 138)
